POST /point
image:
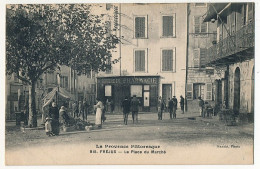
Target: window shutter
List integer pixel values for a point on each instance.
(189, 89)
(167, 60)
(203, 55)
(250, 11)
(209, 91)
(196, 54)
(167, 25)
(139, 60)
(203, 26)
(196, 24)
(139, 27)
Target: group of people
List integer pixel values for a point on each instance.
(130, 105)
(205, 108)
(171, 106)
(80, 109)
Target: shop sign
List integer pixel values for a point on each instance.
(129, 80)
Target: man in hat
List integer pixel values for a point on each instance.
(175, 102)
(201, 106)
(135, 106)
(182, 104)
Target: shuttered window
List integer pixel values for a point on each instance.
(140, 60)
(199, 25)
(209, 91)
(203, 54)
(139, 27)
(167, 60)
(196, 59)
(189, 89)
(168, 22)
(199, 56)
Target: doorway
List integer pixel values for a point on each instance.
(166, 92)
(236, 106)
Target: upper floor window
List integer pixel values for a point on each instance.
(200, 27)
(200, 4)
(168, 60)
(139, 60)
(140, 27)
(168, 22)
(199, 56)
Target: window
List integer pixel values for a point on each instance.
(115, 17)
(200, 27)
(108, 90)
(200, 4)
(139, 60)
(109, 67)
(168, 26)
(189, 94)
(64, 81)
(209, 92)
(199, 56)
(168, 60)
(140, 27)
(136, 90)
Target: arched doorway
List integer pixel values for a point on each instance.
(253, 91)
(236, 106)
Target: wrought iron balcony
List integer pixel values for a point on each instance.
(231, 47)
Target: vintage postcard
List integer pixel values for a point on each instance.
(129, 83)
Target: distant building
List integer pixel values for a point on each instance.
(80, 87)
(233, 55)
(201, 35)
(152, 55)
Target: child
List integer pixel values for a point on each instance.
(48, 128)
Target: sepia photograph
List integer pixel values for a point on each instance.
(129, 83)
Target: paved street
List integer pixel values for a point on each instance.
(184, 131)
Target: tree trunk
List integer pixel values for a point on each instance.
(32, 106)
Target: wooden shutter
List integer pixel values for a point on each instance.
(140, 27)
(203, 26)
(167, 25)
(167, 60)
(196, 58)
(250, 9)
(196, 24)
(139, 60)
(209, 91)
(189, 91)
(203, 55)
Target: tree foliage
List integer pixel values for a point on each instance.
(41, 37)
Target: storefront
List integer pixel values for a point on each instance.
(115, 89)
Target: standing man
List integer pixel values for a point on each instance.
(80, 110)
(75, 109)
(135, 106)
(159, 104)
(126, 109)
(182, 104)
(170, 104)
(201, 105)
(85, 109)
(175, 103)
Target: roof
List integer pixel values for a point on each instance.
(213, 10)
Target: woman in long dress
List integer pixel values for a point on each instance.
(99, 108)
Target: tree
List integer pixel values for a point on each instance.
(40, 37)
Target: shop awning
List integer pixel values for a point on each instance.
(213, 7)
(50, 96)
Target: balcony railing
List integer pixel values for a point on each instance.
(237, 42)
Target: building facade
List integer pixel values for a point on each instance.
(152, 55)
(233, 55)
(201, 35)
(79, 86)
